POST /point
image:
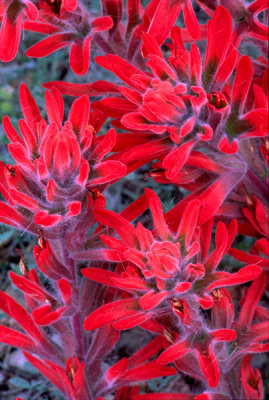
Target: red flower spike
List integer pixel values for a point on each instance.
(52, 153)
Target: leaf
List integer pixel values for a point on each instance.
(19, 382)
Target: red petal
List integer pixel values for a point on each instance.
(131, 322)
(219, 34)
(250, 303)
(159, 18)
(188, 221)
(50, 44)
(225, 70)
(109, 313)
(245, 274)
(108, 171)
(69, 5)
(151, 299)
(28, 287)
(80, 56)
(114, 107)
(16, 311)
(54, 106)
(242, 82)
(16, 339)
(226, 147)
(190, 20)
(50, 372)
(118, 66)
(79, 114)
(124, 229)
(157, 214)
(74, 209)
(173, 353)
(45, 316)
(10, 38)
(11, 132)
(29, 108)
(149, 370)
(44, 219)
(209, 366)
(115, 372)
(224, 335)
(98, 275)
(101, 24)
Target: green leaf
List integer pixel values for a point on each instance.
(19, 382)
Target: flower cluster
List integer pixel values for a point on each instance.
(189, 107)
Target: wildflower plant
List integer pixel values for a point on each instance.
(189, 107)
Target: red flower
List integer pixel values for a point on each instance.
(67, 29)
(177, 264)
(179, 91)
(49, 184)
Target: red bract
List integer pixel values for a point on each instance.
(56, 165)
(182, 98)
(66, 29)
(164, 268)
(13, 13)
(190, 117)
(66, 22)
(193, 116)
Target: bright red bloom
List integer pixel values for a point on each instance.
(180, 99)
(162, 269)
(67, 29)
(66, 22)
(56, 165)
(183, 106)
